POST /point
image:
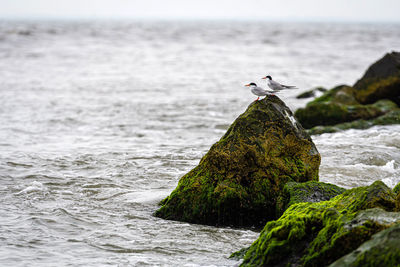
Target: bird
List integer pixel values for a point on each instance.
(258, 91)
(275, 86)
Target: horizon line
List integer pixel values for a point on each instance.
(196, 19)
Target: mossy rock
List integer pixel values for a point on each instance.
(311, 191)
(363, 102)
(317, 234)
(331, 113)
(342, 94)
(238, 181)
(382, 250)
(396, 189)
(380, 81)
(392, 117)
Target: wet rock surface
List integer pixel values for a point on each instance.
(318, 234)
(239, 180)
(373, 100)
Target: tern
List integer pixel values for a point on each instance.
(258, 91)
(275, 86)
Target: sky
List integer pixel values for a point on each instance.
(302, 10)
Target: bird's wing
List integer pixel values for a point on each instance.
(282, 86)
(275, 85)
(259, 91)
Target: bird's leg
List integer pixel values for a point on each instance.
(257, 98)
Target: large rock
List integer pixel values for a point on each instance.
(311, 191)
(337, 105)
(389, 118)
(366, 103)
(380, 81)
(317, 234)
(382, 250)
(240, 178)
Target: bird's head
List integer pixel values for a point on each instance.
(267, 77)
(251, 84)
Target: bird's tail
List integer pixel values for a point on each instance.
(289, 86)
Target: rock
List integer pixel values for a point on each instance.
(312, 191)
(312, 93)
(382, 250)
(238, 181)
(380, 81)
(330, 113)
(317, 234)
(361, 106)
(396, 189)
(392, 117)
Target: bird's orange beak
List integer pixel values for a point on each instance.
(247, 85)
(264, 77)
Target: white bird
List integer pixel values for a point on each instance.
(275, 86)
(258, 91)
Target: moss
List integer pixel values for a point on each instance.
(392, 117)
(239, 179)
(342, 94)
(239, 254)
(306, 192)
(332, 113)
(317, 234)
(396, 189)
(382, 250)
(374, 89)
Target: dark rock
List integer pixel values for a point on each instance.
(392, 117)
(239, 254)
(312, 191)
(380, 81)
(238, 181)
(311, 93)
(396, 189)
(382, 250)
(361, 106)
(317, 234)
(331, 113)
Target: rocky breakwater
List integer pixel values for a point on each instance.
(239, 180)
(372, 100)
(351, 225)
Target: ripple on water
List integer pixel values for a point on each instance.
(360, 157)
(97, 135)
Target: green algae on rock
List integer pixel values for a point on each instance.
(382, 250)
(240, 178)
(317, 234)
(392, 117)
(331, 113)
(380, 81)
(311, 191)
(361, 106)
(396, 189)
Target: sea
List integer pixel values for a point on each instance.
(99, 119)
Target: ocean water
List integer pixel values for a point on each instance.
(100, 119)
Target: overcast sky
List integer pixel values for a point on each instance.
(334, 10)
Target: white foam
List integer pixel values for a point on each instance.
(34, 187)
(389, 167)
(147, 196)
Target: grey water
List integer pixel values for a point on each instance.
(100, 119)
